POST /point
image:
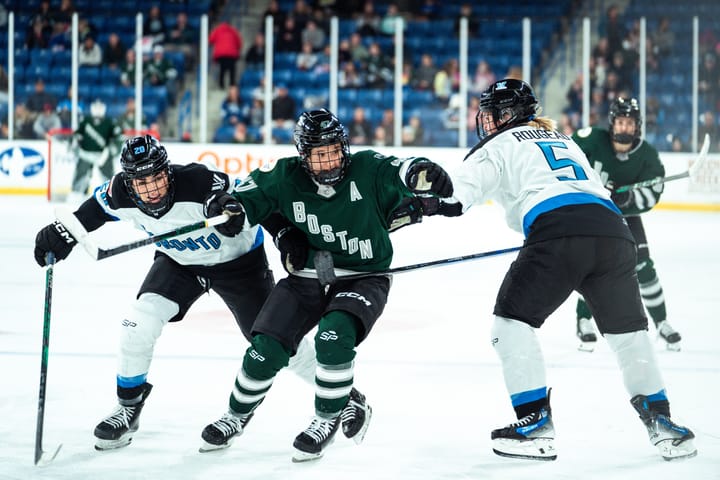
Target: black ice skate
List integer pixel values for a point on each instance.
(672, 440)
(311, 443)
(669, 335)
(355, 417)
(220, 434)
(117, 429)
(586, 334)
(532, 437)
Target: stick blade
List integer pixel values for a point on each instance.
(702, 156)
(325, 268)
(76, 229)
(44, 458)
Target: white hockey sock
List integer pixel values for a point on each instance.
(636, 359)
(304, 363)
(522, 360)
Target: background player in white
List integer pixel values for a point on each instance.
(576, 239)
(157, 196)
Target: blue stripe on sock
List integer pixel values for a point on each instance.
(657, 397)
(130, 382)
(528, 396)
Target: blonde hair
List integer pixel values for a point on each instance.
(543, 123)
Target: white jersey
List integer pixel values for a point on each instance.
(192, 183)
(529, 171)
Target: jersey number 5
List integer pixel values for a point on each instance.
(558, 163)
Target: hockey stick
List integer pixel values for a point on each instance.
(691, 172)
(76, 229)
(39, 453)
(326, 270)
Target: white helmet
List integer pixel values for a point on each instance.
(97, 109)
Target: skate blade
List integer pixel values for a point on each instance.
(102, 445)
(300, 456)
(672, 452)
(673, 347)
(209, 447)
(542, 449)
(47, 457)
(360, 435)
(587, 347)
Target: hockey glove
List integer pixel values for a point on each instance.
(53, 238)
(218, 203)
(408, 212)
(294, 248)
(436, 206)
(424, 176)
(622, 199)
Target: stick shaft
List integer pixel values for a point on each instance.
(44, 359)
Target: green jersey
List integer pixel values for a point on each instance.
(349, 219)
(95, 134)
(640, 163)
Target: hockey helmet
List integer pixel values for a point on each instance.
(505, 103)
(317, 128)
(625, 107)
(142, 159)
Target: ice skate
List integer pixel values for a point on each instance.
(532, 437)
(669, 335)
(672, 440)
(117, 429)
(355, 417)
(586, 334)
(221, 433)
(311, 443)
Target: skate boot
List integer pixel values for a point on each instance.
(586, 334)
(117, 429)
(355, 417)
(669, 335)
(311, 443)
(532, 437)
(672, 440)
(221, 433)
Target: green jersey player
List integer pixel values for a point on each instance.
(344, 204)
(621, 157)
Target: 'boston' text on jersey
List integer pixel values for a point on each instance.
(351, 245)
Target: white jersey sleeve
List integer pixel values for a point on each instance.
(528, 171)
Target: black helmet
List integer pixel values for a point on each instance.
(319, 128)
(509, 98)
(625, 107)
(141, 157)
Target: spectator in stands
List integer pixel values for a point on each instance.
(425, 74)
(358, 50)
(307, 58)
(38, 36)
(114, 52)
(598, 108)
(90, 54)
(473, 23)
(676, 145)
(349, 77)
(127, 70)
(283, 109)
(360, 130)
(377, 68)
(413, 133)
(301, 12)
(127, 119)
(86, 28)
(44, 16)
(37, 100)
(663, 38)
(443, 83)
(388, 21)
(344, 53)
(709, 79)
(406, 73)
(273, 10)
(241, 135)
(289, 36)
(154, 25)
(232, 107)
(601, 50)
(60, 37)
(65, 12)
(565, 124)
(709, 126)
(483, 77)
(367, 22)
(3, 25)
(313, 35)
(24, 120)
(611, 89)
(514, 71)
(183, 38)
(624, 70)
(387, 123)
(3, 85)
(46, 121)
(613, 29)
(255, 55)
(654, 115)
(380, 137)
(256, 113)
(64, 109)
(160, 71)
(227, 45)
(428, 10)
(574, 95)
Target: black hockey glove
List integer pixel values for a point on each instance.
(622, 199)
(53, 238)
(424, 176)
(408, 212)
(218, 203)
(436, 206)
(294, 248)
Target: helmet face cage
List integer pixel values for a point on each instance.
(319, 128)
(625, 107)
(509, 102)
(144, 157)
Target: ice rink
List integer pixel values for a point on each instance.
(428, 369)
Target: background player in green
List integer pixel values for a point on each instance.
(621, 157)
(344, 203)
(98, 140)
